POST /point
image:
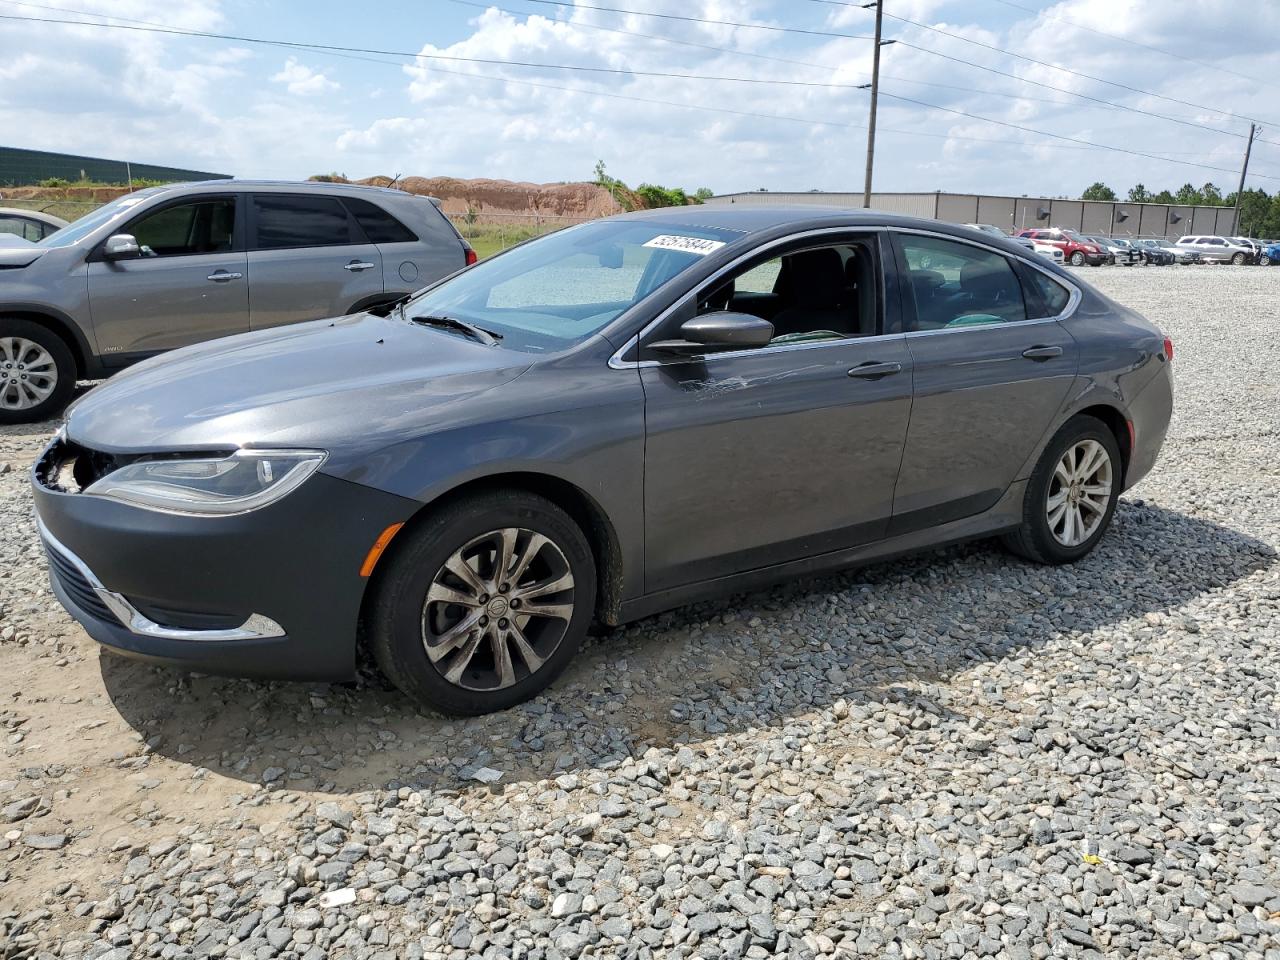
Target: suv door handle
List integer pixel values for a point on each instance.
(1042, 353)
(873, 370)
(355, 266)
(222, 276)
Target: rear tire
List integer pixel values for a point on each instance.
(37, 372)
(1071, 496)
(1264, 261)
(455, 631)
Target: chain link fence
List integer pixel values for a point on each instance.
(491, 233)
(66, 209)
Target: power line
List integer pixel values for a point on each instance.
(1133, 43)
(418, 56)
(926, 50)
(729, 50)
(761, 56)
(1045, 63)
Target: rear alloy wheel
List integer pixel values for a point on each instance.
(1071, 495)
(1239, 259)
(484, 603)
(1264, 261)
(37, 372)
(1077, 259)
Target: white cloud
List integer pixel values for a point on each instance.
(164, 99)
(302, 81)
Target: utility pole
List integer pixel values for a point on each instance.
(1243, 170)
(875, 93)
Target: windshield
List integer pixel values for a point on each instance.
(79, 229)
(560, 289)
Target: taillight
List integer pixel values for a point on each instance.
(1168, 349)
(471, 256)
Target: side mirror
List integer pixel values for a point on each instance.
(121, 246)
(721, 329)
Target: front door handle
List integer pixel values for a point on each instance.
(222, 276)
(873, 370)
(355, 266)
(1042, 353)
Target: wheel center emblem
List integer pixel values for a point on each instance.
(498, 607)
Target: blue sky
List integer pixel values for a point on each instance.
(261, 110)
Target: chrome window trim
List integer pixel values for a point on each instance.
(617, 363)
(1075, 296)
(255, 626)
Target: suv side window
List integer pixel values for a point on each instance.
(283, 221)
(186, 229)
(378, 225)
(959, 285)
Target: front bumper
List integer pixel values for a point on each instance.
(272, 594)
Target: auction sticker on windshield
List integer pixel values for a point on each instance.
(695, 245)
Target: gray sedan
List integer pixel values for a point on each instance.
(616, 419)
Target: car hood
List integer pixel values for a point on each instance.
(354, 380)
(17, 252)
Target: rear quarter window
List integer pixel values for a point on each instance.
(1048, 292)
(378, 225)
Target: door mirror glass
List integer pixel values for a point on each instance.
(722, 328)
(121, 246)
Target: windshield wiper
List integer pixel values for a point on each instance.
(486, 337)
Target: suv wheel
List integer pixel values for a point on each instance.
(1071, 495)
(1077, 259)
(484, 604)
(37, 372)
(1239, 259)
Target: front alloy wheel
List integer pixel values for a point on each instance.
(37, 371)
(498, 609)
(480, 603)
(1077, 259)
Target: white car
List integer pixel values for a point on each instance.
(1046, 250)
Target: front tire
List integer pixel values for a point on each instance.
(37, 372)
(483, 604)
(1265, 261)
(1077, 259)
(1239, 259)
(1071, 496)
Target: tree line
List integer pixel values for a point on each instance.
(1259, 212)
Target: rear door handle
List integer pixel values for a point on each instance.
(873, 370)
(355, 266)
(1042, 353)
(222, 276)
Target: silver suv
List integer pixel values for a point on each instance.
(1218, 249)
(175, 265)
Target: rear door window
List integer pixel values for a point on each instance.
(955, 284)
(282, 221)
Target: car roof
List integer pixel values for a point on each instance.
(33, 215)
(759, 219)
(287, 186)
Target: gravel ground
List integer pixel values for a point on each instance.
(956, 755)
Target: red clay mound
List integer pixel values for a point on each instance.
(509, 198)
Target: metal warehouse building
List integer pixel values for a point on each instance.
(1113, 219)
(26, 168)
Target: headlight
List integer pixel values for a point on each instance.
(222, 486)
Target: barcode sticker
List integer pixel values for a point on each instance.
(695, 245)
